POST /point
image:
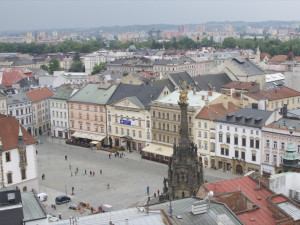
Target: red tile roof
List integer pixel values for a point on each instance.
(241, 85)
(279, 199)
(248, 187)
(278, 58)
(11, 76)
(264, 54)
(216, 111)
(9, 133)
(283, 92)
(151, 76)
(42, 93)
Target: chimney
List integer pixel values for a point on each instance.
(225, 104)
(214, 90)
(203, 97)
(233, 95)
(209, 93)
(194, 91)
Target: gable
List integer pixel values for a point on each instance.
(125, 102)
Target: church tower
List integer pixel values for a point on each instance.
(185, 174)
(290, 158)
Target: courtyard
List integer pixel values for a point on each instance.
(128, 177)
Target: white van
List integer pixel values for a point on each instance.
(43, 197)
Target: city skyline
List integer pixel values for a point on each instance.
(92, 13)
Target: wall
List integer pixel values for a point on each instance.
(282, 183)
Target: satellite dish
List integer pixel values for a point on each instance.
(211, 193)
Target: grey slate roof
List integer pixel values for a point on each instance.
(28, 82)
(32, 209)
(164, 83)
(274, 84)
(247, 66)
(17, 98)
(174, 61)
(183, 208)
(208, 82)
(177, 78)
(286, 123)
(247, 117)
(63, 93)
(144, 93)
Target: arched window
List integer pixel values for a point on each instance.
(24, 188)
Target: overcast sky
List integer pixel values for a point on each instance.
(51, 14)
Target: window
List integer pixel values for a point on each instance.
(117, 130)
(80, 126)
(243, 155)
(9, 178)
(174, 117)
(7, 157)
(95, 109)
(72, 124)
(243, 141)
(244, 130)
(116, 118)
(236, 154)
(267, 157)
(228, 139)
(282, 145)
(101, 109)
(158, 114)
(236, 140)
(154, 136)
(163, 115)
(199, 124)
(87, 108)
(199, 133)
(298, 147)
(228, 128)
(79, 106)
(109, 118)
(167, 116)
(251, 143)
(133, 133)
(205, 125)
(190, 119)
(148, 123)
(174, 128)
(256, 143)
(148, 135)
(268, 143)
(153, 125)
(190, 132)
(96, 118)
(274, 158)
(178, 117)
(140, 122)
(220, 127)
(253, 157)
(275, 144)
(101, 118)
(87, 116)
(159, 137)
(122, 131)
(174, 140)
(127, 131)
(101, 129)
(225, 151)
(257, 132)
(153, 114)
(220, 137)
(65, 115)
(79, 115)
(23, 174)
(205, 146)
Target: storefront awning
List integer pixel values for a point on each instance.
(162, 150)
(79, 134)
(94, 142)
(127, 137)
(95, 137)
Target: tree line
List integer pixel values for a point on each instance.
(271, 46)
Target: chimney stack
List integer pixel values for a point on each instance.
(203, 97)
(209, 93)
(233, 95)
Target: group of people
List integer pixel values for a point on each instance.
(122, 154)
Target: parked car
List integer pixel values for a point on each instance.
(43, 197)
(62, 199)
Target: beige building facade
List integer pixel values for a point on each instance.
(3, 104)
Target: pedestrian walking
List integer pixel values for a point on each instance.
(75, 173)
(70, 167)
(59, 215)
(48, 133)
(148, 189)
(158, 192)
(43, 176)
(109, 156)
(90, 173)
(100, 172)
(93, 173)
(108, 186)
(66, 157)
(71, 174)
(85, 172)
(77, 169)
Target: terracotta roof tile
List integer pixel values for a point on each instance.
(11, 76)
(9, 133)
(283, 92)
(241, 85)
(279, 199)
(264, 54)
(216, 111)
(258, 196)
(42, 93)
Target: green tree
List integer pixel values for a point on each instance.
(98, 68)
(125, 73)
(44, 67)
(76, 66)
(54, 65)
(229, 43)
(76, 57)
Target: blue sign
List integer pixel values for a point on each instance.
(125, 122)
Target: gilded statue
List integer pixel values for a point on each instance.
(183, 98)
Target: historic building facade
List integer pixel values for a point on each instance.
(59, 112)
(17, 156)
(40, 109)
(19, 106)
(239, 140)
(3, 104)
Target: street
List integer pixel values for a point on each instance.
(128, 177)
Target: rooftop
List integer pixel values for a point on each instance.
(249, 187)
(247, 117)
(194, 99)
(32, 209)
(271, 95)
(94, 94)
(212, 81)
(247, 86)
(9, 133)
(247, 66)
(21, 97)
(39, 94)
(63, 93)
